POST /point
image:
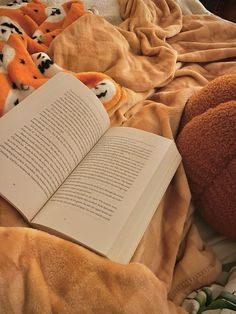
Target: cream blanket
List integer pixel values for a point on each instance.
(160, 58)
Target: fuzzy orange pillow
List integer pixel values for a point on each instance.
(207, 143)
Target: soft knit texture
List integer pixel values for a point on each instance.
(208, 147)
(220, 90)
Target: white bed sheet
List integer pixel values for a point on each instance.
(109, 9)
(224, 248)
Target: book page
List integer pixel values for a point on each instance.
(129, 237)
(96, 200)
(44, 138)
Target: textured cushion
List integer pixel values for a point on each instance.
(207, 142)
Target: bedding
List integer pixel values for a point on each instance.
(154, 60)
(216, 298)
(219, 297)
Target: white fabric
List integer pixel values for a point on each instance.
(192, 7)
(109, 9)
(224, 248)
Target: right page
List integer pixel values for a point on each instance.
(95, 203)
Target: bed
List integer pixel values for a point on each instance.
(159, 53)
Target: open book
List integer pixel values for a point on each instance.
(67, 172)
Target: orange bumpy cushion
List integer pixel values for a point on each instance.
(207, 143)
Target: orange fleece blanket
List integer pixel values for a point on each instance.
(151, 64)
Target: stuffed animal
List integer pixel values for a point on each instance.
(207, 143)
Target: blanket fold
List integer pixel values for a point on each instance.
(43, 280)
(128, 55)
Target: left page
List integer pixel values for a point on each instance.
(44, 138)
